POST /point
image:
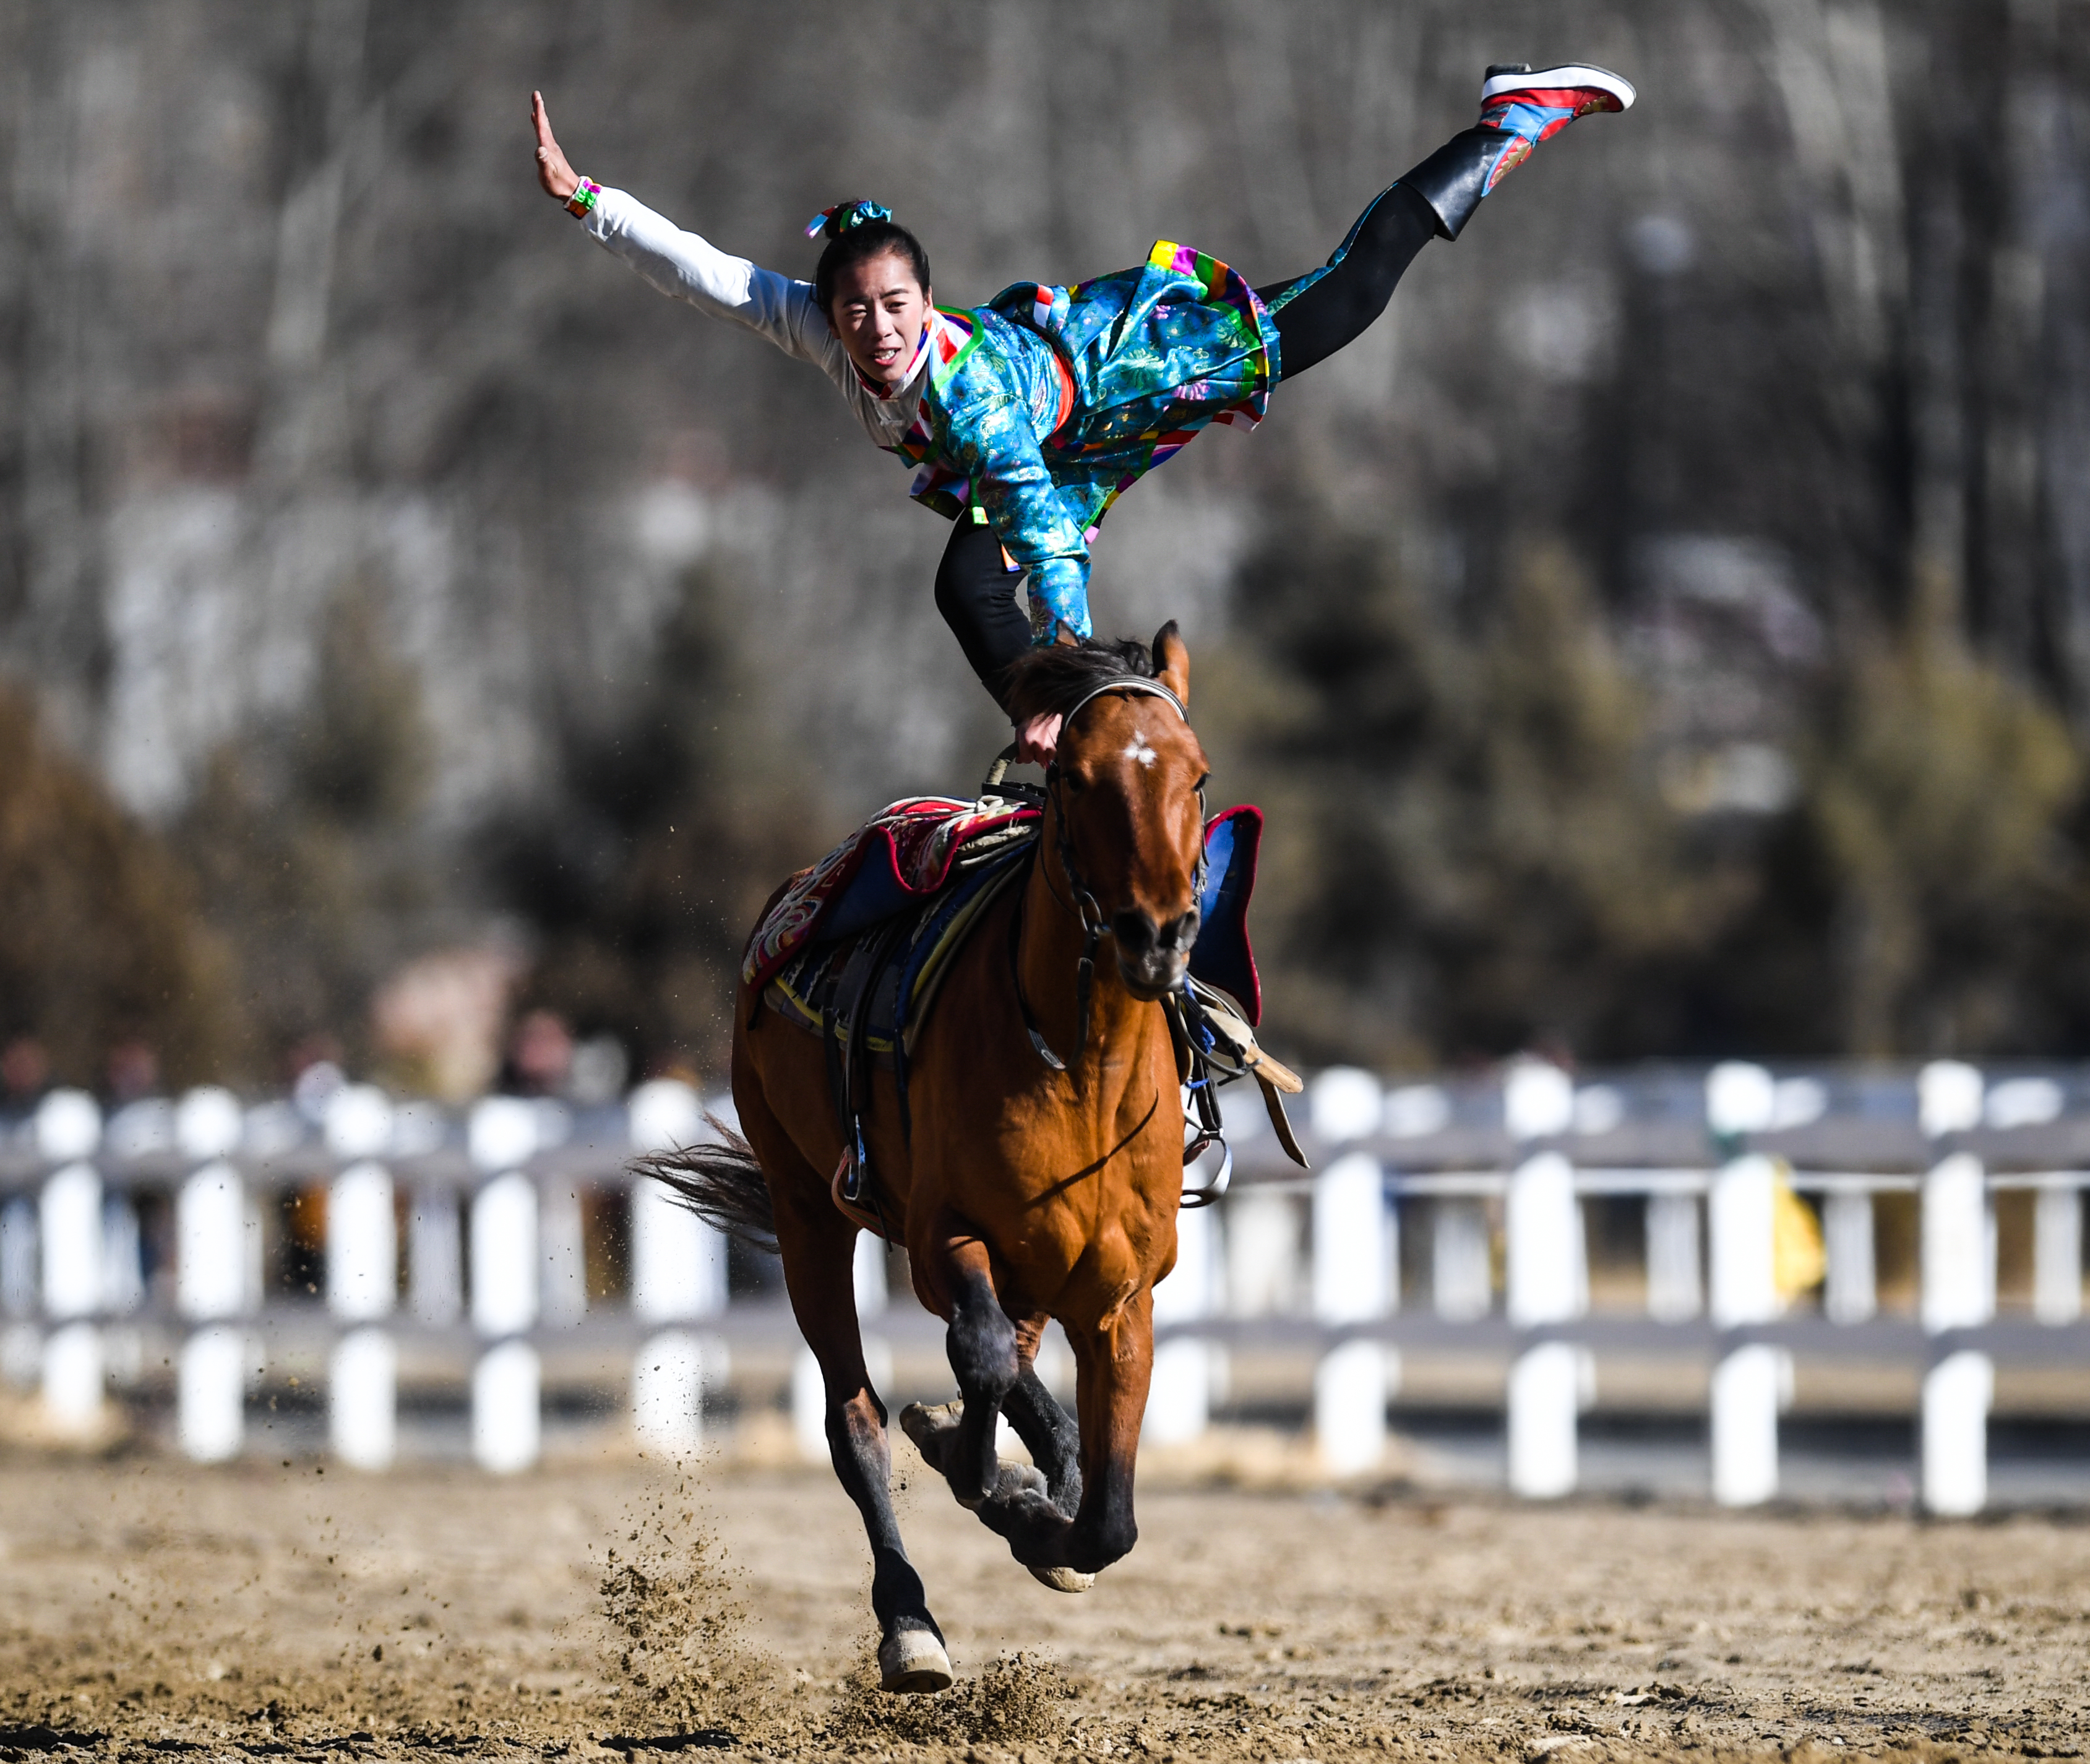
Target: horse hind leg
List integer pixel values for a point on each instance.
(819, 1246)
(1047, 1431)
(1054, 1441)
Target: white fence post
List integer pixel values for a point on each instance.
(435, 1255)
(1179, 1399)
(2057, 1288)
(1675, 1282)
(1741, 1217)
(668, 1391)
(211, 1280)
(362, 1279)
(563, 1246)
(506, 1385)
(678, 1275)
(1547, 1282)
(1461, 1270)
(362, 1398)
(1352, 1384)
(362, 1244)
(1959, 1246)
(211, 1393)
(1356, 1249)
(68, 1128)
(1263, 1253)
(363, 1288)
(1958, 1292)
(1957, 1391)
(506, 1391)
(1850, 1293)
(1355, 1244)
(20, 1276)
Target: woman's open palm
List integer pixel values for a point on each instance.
(553, 172)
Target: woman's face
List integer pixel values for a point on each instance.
(877, 311)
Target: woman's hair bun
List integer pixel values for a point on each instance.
(834, 221)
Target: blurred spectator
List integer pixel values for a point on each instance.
(313, 1067)
(133, 1071)
(600, 1067)
(541, 1055)
(437, 1020)
(25, 1071)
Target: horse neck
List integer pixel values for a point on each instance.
(1048, 959)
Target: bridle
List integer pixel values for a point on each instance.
(1084, 907)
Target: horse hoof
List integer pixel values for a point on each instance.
(1061, 1580)
(913, 1663)
(928, 1426)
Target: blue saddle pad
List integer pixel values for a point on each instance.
(1221, 957)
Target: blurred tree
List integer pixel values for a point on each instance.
(100, 939)
(679, 812)
(1468, 854)
(301, 838)
(1941, 792)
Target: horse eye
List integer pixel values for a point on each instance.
(1202, 782)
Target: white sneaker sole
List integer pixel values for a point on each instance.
(1556, 79)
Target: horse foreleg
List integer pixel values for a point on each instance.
(819, 1250)
(1115, 1362)
(981, 1343)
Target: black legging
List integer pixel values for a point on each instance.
(976, 591)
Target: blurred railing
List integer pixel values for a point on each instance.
(501, 1231)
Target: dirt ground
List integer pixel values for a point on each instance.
(146, 1607)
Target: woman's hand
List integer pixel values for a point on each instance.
(553, 172)
(1038, 740)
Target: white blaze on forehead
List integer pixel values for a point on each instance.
(1139, 750)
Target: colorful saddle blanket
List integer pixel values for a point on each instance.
(915, 849)
(821, 986)
(899, 859)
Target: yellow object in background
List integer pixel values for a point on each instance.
(1799, 1261)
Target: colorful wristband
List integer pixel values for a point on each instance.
(581, 203)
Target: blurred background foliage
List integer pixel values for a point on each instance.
(1667, 633)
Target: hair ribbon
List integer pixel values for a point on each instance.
(838, 220)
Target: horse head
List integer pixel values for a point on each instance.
(1126, 790)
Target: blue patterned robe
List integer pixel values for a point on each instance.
(1047, 403)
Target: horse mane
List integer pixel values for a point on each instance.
(1052, 680)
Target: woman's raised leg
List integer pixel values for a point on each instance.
(1319, 313)
(1339, 304)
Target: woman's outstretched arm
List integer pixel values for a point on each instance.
(684, 266)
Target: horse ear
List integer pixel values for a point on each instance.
(1172, 661)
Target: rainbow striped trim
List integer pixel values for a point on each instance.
(1208, 272)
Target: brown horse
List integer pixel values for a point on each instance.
(1022, 1192)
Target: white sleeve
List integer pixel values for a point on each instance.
(685, 267)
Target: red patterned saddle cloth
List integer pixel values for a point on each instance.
(898, 858)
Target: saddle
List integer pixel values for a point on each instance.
(856, 947)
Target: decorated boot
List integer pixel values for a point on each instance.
(1519, 109)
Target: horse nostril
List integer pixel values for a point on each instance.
(1136, 932)
(1183, 933)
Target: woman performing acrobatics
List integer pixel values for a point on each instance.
(1027, 417)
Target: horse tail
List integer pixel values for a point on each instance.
(719, 1180)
